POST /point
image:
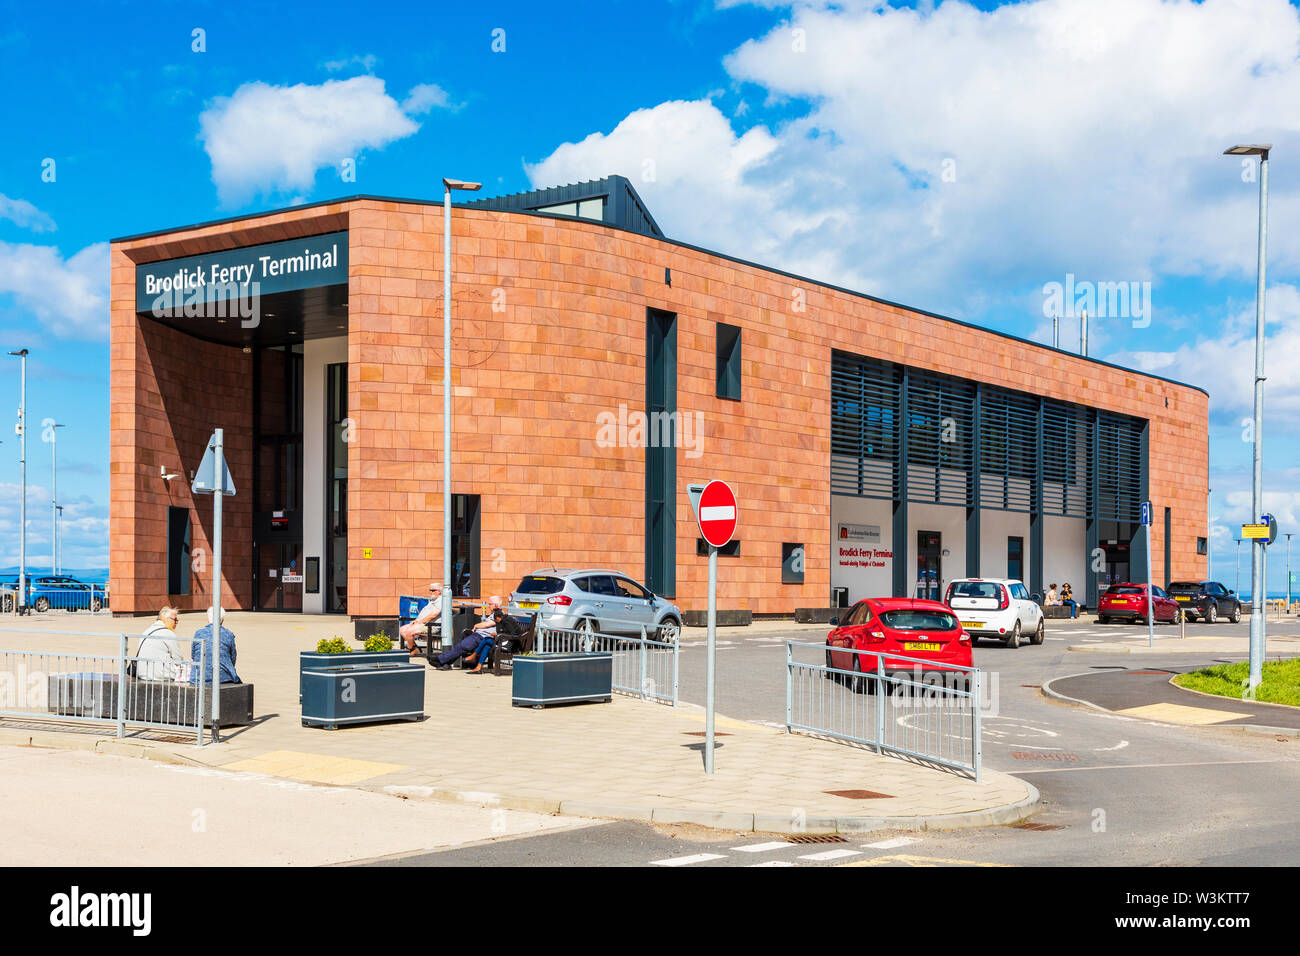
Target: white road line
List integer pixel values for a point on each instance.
(774, 863)
(688, 860)
(890, 844)
(831, 855)
(763, 847)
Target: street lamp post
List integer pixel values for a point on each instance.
(1258, 635)
(450, 586)
(58, 525)
(1238, 582)
(54, 493)
(1288, 572)
(22, 500)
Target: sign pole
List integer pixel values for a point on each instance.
(711, 660)
(218, 473)
(1146, 515)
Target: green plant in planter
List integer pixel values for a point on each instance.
(379, 642)
(332, 646)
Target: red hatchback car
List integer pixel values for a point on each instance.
(918, 629)
(1128, 602)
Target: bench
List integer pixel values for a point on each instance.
(409, 608)
(523, 644)
(147, 701)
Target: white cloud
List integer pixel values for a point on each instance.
(424, 97)
(83, 529)
(366, 62)
(1084, 135)
(24, 214)
(69, 297)
(266, 138)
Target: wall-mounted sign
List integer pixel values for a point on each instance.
(183, 286)
(860, 533)
(367, 553)
(292, 579)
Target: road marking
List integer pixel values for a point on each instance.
(1182, 714)
(318, 768)
(774, 863)
(905, 859)
(1153, 766)
(831, 855)
(688, 860)
(891, 844)
(1119, 746)
(763, 847)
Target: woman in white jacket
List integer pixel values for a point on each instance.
(159, 655)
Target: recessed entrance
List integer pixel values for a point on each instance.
(929, 565)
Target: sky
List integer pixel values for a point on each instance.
(966, 159)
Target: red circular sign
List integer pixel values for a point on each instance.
(718, 513)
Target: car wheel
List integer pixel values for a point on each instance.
(42, 604)
(1038, 634)
(669, 630)
(1103, 619)
(858, 682)
(1235, 616)
(1178, 616)
(1013, 639)
(588, 628)
(1211, 614)
(96, 604)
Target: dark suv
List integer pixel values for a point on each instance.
(1206, 600)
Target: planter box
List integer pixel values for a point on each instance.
(310, 660)
(541, 679)
(158, 702)
(362, 693)
(818, 615)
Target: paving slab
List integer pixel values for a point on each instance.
(628, 758)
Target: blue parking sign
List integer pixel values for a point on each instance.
(1146, 513)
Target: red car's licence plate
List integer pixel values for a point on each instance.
(922, 646)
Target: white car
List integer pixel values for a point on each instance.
(996, 608)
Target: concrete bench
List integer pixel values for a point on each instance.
(149, 701)
(726, 618)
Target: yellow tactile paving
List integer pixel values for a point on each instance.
(1181, 714)
(907, 859)
(317, 768)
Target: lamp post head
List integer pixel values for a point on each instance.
(22, 353)
(461, 184)
(1254, 149)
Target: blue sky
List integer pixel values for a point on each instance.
(957, 159)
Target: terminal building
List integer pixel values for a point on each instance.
(598, 368)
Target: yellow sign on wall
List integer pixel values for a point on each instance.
(369, 553)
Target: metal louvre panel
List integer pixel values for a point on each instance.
(864, 426)
(940, 421)
(1120, 467)
(1008, 436)
(1067, 436)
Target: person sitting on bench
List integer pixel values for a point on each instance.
(470, 639)
(428, 614)
(1067, 600)
(506, 628)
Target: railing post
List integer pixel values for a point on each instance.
(880, 704)
(643, 661)
(976, 742)
(121, 685)
(789, 686)
(203, 661)
(677, 648)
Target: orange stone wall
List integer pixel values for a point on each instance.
(549, 332)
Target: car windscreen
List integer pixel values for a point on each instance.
(1186, 586)
(912, 620)
(540, 584)
(977, 589)
(1128, 590)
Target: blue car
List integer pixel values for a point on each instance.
(63, 592)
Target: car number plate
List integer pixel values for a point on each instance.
(969, 624)
(921, 646)
(1183, 598)
(529, 605)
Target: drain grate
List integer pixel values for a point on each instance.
(704, 733)
(860, 794)
(1037, 827)
(816, 838)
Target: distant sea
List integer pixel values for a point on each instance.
(88, 575)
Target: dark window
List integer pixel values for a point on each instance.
(1202, 546)
(919, 620)
(544, 584)
(311, 578)
(976, 589)
(1016, 558)
(630, 589)
(860, 614)
(661, 458)
(464, 545)
(792, 563)
(601, 584)
(178, 550)
(729, 550)
(728, 361)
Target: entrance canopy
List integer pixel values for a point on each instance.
(277, 293)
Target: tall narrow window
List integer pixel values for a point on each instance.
(661, 453)
(465, 544)
(178, 550)
(728, 343)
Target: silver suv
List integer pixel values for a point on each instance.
(597, 601)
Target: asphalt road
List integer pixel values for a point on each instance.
(1115, 790)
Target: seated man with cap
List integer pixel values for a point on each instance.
(428, 614)
(471, 638)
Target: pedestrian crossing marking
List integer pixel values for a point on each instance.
(688, 860)
(763, 847)
(891, 844)
(773, 863)
(907, 859)
(317, 768)
(831, 855)
(1182, 714)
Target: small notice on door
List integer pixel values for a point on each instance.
(292, 579)
(272, 572)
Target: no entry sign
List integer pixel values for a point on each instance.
(716, 513)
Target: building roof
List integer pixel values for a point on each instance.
(621, 205)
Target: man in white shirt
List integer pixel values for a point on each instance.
(429, 613)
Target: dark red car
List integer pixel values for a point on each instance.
(919, 629)
(1128, 602)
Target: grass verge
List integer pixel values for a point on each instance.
(1280, 682)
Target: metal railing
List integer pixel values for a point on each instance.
(74, 687)
(910, 708)
(89, 597)
(643, 667)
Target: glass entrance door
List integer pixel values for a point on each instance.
(277, 479)
(929, 565)
(336, 489)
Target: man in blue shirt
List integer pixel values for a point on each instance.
(203, 639)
